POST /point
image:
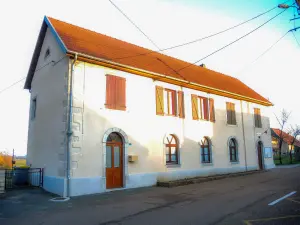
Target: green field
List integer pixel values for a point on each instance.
(285, 160)
(20, 162)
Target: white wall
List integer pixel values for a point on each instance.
(46, 134)
(146, 130)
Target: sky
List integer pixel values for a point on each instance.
(168, 23)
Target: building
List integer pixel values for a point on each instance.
(288, 143)
(106, 114)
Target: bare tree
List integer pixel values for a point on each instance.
(282, 121)
(294, 132)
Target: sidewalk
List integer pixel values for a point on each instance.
(287, 166)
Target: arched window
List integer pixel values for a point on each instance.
(205, 150)
(114, 137)
(233, 150)
(171, 149)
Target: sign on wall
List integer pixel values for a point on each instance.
(268, 152)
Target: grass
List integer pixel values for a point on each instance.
(20, 162)
(285, 160)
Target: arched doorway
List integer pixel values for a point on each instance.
(114, 161)
(260, 155)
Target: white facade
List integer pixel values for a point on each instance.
(143, 131)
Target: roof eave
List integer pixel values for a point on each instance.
(85, 57)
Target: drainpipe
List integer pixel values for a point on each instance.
(243, 127)
(69, 130)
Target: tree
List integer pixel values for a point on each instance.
(5, 160)
(282, 121)
(294, 132)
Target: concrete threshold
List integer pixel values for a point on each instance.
(196, 180)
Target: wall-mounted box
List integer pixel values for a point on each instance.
(132, 158)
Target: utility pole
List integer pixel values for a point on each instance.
(12, 159)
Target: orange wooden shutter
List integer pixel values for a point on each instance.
(205, 108)
(110, 92)
(195, 113)
(159, 92)
(120, 93)
(233, 113)
(257, 117)
(212, 110)
(181, 104)
(228, 111)
(174, 103)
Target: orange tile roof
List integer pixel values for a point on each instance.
(286, 137)
(80, 40)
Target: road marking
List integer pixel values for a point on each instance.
(249, 222)
(280, 199)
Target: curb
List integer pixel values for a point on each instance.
(197, 180)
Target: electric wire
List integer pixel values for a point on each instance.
(229, 44)
(203, 38)
(136, 26)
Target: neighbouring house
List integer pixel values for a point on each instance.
(106, 114)
(287, 145)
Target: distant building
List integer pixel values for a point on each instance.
(287, 145)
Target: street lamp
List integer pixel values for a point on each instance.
(286, 6)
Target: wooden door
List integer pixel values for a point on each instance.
(260, 159)
(114, 165)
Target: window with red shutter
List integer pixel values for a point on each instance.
(203, 108)
(231, 117)
(257, 118)
(115, 92)
(169, 102)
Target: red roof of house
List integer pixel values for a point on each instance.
(80, 40)
(286, 137)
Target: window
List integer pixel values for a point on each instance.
(170, 99)
(205, 151)
(171, 149)
(233, 150)
(33, 109)
(203, 108)
(257, 118)
(231, 118)
(47, 54)
(115, 92)
(169, 102)
(114, 137)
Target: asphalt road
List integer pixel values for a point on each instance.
(239, 200)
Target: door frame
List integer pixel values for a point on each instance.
(261, 145)
(125, 144)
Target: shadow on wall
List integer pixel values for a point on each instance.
(146, 138)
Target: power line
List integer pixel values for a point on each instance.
(163, 62)
(42, 67)
(10, 86)
(262, 54)
(206, 37)
(214, 52)
(296, 39)
(136, 26)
